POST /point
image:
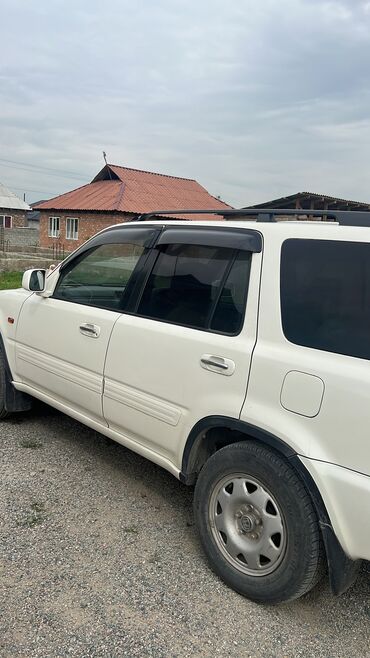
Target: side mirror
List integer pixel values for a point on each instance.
(34, 280)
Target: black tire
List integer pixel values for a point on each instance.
(3, 411)
(248, 497)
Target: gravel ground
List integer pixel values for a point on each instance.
(99, 557)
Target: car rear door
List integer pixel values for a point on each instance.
(185, 352)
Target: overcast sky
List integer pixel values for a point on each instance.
(256, 99)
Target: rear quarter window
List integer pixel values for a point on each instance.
(325, 295)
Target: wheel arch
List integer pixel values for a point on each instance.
(13, 400)
(213, 432)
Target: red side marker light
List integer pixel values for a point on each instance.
(11, 320)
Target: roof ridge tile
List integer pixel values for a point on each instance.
(152, 173)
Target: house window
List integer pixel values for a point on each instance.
(54, 227)
(5, 221)
(72, 228)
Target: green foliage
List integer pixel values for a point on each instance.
(9, 280)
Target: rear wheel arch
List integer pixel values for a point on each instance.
(214, 432)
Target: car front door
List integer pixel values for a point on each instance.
(62, 340)
(185, 352)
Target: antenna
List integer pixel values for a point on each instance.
(106, 164)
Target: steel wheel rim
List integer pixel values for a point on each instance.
(247, 524)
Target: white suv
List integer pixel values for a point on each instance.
(236, 356)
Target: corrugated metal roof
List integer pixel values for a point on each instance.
(301, 195)
(135, 191)
(10, 201)
(333, 198)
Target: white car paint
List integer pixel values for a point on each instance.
(55, 358)
(142, 383)
(156, 389)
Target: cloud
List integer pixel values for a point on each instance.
(253, 99)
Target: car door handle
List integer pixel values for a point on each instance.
(90, 330)
(217, 364)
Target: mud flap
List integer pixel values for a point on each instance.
(342, 570)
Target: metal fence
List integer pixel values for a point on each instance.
(4, 244)
(58, 251)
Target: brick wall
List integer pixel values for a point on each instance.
(89, 223)
(21, 264)
(18, 216)
(19, 237)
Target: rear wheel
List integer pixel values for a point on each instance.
(257, 524)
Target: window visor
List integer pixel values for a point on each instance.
(243, 240)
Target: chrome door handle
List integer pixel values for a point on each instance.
(90, 330)
(217, 364)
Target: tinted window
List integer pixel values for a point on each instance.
(229, 311)
(325, 295)
(99, 277)
(185, 285)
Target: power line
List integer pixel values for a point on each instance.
(44, 173)
(22, 189)
(40, 167)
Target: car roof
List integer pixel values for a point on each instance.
(280, 229)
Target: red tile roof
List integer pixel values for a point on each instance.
(121, 189)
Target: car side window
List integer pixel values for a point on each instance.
(325, 295)
(100, 276)
(229, 311)
(196, 286)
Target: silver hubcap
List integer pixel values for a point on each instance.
(247, 525)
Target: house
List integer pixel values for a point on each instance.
(33, 217)
(312, 201)
(13, 211)
(117, 194)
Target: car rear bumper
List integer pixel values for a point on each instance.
(346, 495)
